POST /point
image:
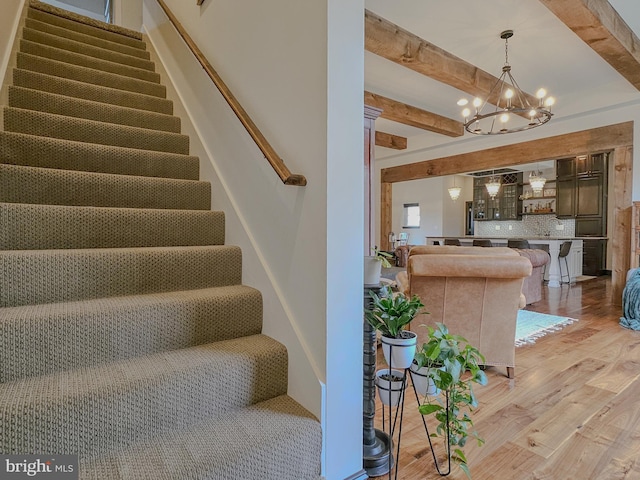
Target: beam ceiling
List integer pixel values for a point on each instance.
(598, 24)
(392, 42)
(414, 116)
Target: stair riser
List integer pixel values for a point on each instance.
(51, 53)
(62, 105)
(47, 186)
(80, 27)
(80, 130)
(86, 39)
(136, 404)
(37, 277)
(88, 75)
(74, 46)
(39, 227)
(85, 334)
(85, 91)
(19, 149)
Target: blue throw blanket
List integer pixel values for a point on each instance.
(631, 302)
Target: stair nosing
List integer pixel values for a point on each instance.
(88, 21)
(174, 126)
(149, 65)
(107, 76)
(131, 72)
(151, 98)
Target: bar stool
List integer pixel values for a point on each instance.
(452, 241)
(565, 247)
(480, 242)
(518, 243)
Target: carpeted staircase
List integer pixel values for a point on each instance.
(126, 335)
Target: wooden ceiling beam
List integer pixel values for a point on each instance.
(560, 146)
(392, 42)
(414, 116)
(598, 24)
(390, 141)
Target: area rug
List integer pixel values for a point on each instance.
(533, 325)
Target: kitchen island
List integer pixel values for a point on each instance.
(549, 244)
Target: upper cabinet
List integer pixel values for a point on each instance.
(581, 192)
(505, 205)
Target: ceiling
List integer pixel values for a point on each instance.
(544, 52)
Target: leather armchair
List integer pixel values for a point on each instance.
(474, 291)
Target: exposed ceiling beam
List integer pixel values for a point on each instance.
(414, 116)
(598, 24)
(403, 47)
(390, 141)
(566, 145)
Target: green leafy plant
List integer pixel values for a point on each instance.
(454, 366)
(382, 257)
(391, 313)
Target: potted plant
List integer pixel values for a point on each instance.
(373, 266)
(390, 313)
(453, 366)
(390, 383)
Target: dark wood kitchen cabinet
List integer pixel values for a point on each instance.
(505, 205)
(581, 192)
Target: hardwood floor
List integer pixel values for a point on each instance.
(571, 413)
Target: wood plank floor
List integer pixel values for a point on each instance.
(571, 413)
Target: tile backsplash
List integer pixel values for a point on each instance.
(529, 226)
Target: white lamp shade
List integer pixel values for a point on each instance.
(454, 192)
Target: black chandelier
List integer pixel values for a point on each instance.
(513, 112)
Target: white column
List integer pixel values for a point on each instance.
(554, 265)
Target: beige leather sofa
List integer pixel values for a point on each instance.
(532, 287)
(474, 291)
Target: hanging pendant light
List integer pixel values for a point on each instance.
(493, 186)
(514, 110)
(537, 181)
(454, 192)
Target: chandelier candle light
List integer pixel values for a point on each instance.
(493, 186)
(514, 112)
(454, 192)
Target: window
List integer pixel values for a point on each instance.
(411, 217)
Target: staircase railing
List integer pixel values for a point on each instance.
(270, 154)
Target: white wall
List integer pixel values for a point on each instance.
(439, 215)
(127, 13)
(297, 68)
(9, 22)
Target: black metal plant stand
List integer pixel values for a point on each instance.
(378, 458)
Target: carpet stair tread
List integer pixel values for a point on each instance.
(70, 335)
(77, 129)
(98, 52)
(85, 91)
(49, 276)
(61, 17)
(29, 99)
(285, 447)
(50, 186)
(134, 399)
(86, 39)
(92, 76)
(69, 227)
(48, 152)
(87, 61)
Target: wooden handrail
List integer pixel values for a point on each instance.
(270, 154)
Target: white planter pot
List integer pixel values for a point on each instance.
(390, 391)
(372, 270)
(421, 381)
(399, 352)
